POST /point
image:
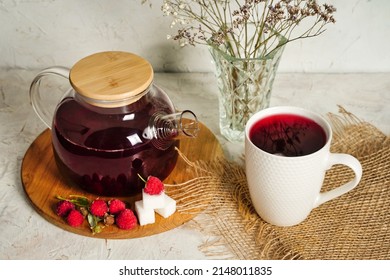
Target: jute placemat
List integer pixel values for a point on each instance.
(353, 226)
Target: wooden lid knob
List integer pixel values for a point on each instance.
(113, 77)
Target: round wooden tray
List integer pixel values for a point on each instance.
(42, 182)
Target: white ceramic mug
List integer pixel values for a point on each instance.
(284, 190)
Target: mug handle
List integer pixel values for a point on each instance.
(35, 94)
(351, 162)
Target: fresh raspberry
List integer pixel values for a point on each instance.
(98, 207)
(115, 206)
(75, 218)
(64, 207)
(154, 186)
(126, 219)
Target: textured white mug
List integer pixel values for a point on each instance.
(284, 190)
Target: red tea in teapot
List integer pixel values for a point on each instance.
(105, 156)
(114, 124)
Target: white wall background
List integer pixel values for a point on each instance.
(42, 33)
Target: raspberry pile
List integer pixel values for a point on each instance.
(76, 209)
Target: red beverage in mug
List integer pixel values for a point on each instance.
(288, 135)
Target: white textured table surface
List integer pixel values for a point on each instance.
(25, 234)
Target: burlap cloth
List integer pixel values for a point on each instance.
(353, 226)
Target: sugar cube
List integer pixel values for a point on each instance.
(153, 201)
(169, 208)
(145, 215)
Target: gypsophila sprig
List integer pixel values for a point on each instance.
(246, 28)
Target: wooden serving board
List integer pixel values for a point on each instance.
(42, 182)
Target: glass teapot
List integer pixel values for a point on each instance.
(113, 125)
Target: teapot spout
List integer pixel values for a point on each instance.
(164, 128)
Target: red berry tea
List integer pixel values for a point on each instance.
(104, 153)
(288, 135)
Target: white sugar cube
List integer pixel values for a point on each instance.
(145, 215)
(169, 207)
(153, 201)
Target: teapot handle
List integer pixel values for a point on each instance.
(35, 94)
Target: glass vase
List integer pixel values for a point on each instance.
(244, 88)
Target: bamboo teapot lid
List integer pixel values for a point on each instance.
(111, 79)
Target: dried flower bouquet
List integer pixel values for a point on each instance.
(246, 39)
(246, 28)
